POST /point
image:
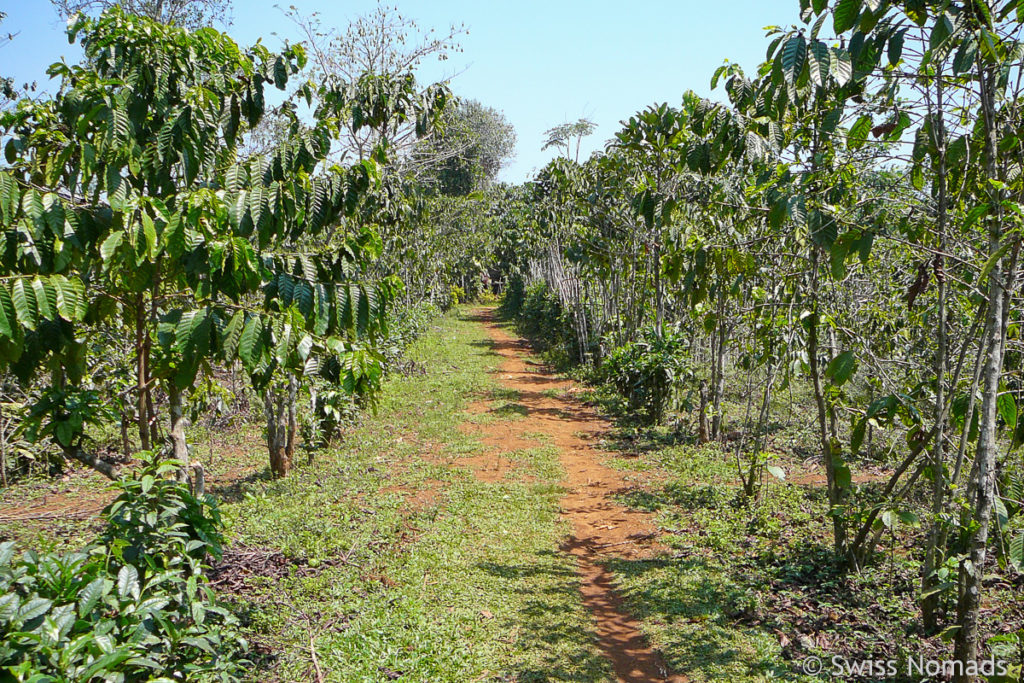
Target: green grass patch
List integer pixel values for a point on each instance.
(472, 587)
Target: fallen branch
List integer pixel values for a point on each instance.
(107, 469)
(312, 653)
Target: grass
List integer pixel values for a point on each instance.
(752, 588)
(402, 566)
(470, 586)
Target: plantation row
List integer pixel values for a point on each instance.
(175, 251)
(848, 224)
(842, 233)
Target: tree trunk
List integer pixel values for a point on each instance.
(972, 569)
(141, 375)
(154, 423)
(109, 470)
(126, 444)
(702, 429)
(933, 552)
(277, 430)
(179, 445)
(3, 452)
(718, 389)
(659, 295)
(835, 493)
(293, 387)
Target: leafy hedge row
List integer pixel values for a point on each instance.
(541, 317)
(648, 372)
(132, 606)
(331, 408)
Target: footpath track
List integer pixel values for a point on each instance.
(601, 528)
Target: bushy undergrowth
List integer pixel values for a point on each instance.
(405, 325)
(541, 317)
(648, 373)
(331, 408)
(131, 606)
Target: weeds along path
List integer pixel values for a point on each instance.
(601, 528)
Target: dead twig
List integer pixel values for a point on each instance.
(312, 652)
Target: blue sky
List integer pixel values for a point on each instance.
(541, 63)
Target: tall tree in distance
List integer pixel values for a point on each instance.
(471, 146)
(190, 14)
(568, 134)
(389, 45)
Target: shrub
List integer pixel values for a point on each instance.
(545, 321)
(134, 607)
(648, 373)
(332, 409)
(405, 325)
(513, 298)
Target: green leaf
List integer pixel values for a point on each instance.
(33, 609)
(845, 15)
(67, 299)
(776, 472)
(895, 48)
(993, 260)
(111, 244)
(149, 232)
(24, 304)
(844, 478)
(966, 56)
(232, 335)
(90, 596)
(820, 63)
(917, 176)
(842, 65)
(777, 213)
(857, 435)
(280, 73)
(8, 318)
(46, 298)
(889, 519)
(957, 150)
(837, 258)
(794, 53)
(249, 341)
(127, 583)
(841, 368)
(859, 132)
(941, 30)
(908, 518)
(1007, 410)
(1016, 551)
(974, 215)
(8, 607)
(235, 178)
(941, 588)
(1002, 514)
(192, 333)
(106, 663)
(823, 229)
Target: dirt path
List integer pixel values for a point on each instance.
(601, 527)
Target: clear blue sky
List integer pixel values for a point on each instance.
(541, 63)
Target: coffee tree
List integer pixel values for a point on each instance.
(126, 206)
